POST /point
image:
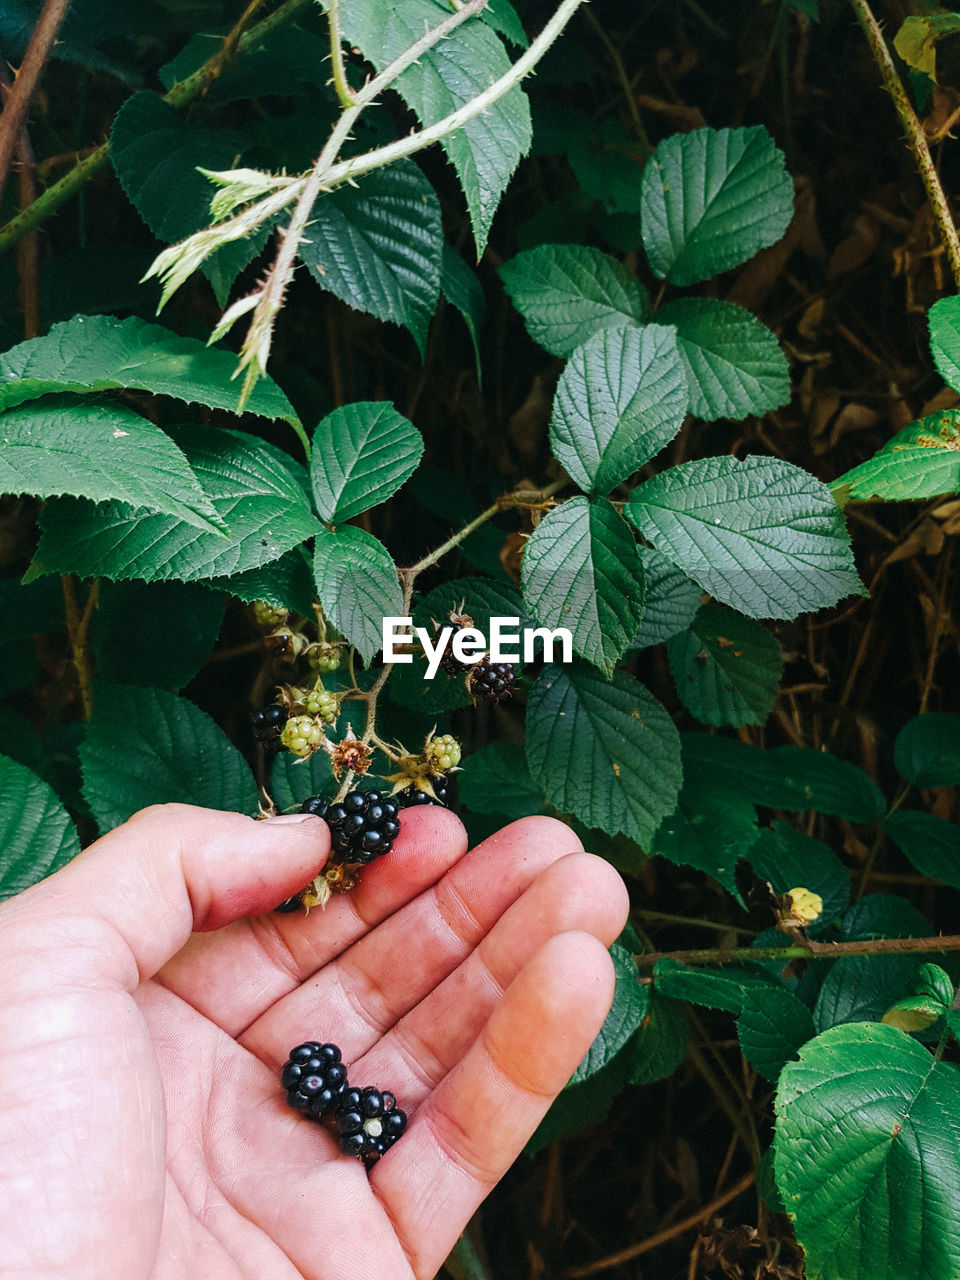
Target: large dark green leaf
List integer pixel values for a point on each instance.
(866, 1151)
(147, 746)
(789, 859)
(496, 779)
(932, 844)
(252, 488)
(621, 398)
(155, 633)
(927, 750)
(379, 246)
(605, 751)
(36, 834)
(99, 353)
(486, 151)
(566, 293)
(357, 585)
(362, 453)
(921, 461)
(760, 535)
(671, 600)
(581, 571)
(625, 1017)
(710, 829)
(711, 199)
(726, 667)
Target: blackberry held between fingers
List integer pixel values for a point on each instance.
(494, 680)
(363, 825)
(369, 1123)
(314, 1078)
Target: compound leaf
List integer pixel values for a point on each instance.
(605, 751)
(761, 535)
(621, 398)
(711, 199)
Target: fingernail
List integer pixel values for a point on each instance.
(290, 818)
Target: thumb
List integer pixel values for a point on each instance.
(138, 892)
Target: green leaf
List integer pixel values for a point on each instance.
(914, 1013)
(362, 453)
(608, 165)
(726, 667)
(496, 779)
(866, 1151)
(772, 1028)
(883, 915)
(760, 535)
(287, 56)
(482, 599)
(579, 1105)
(733, 362)
(484, 152)
(378, 246)
(251, 486)
(461, 288)
(621, 398)
(627, 1012)
(931, 980)
(931, 843)
(36, 834)
(660, 1044)
(724, 988)
(671, 600)
(157, 156)
(99, 353)
(786, 777)
(293, 779)
(921, 461)
(357, 585)
(581, 571)
(606, 752)
(286, 583)
(709, 829)
(154, 633)
(711, 199)
(944, 321)
(567, 292)
(927, 750)
(100, 451)
(789, 859)
(147, 746)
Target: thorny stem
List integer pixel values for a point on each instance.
(78, 631)
(180, 95)
(915, 135)
(344, 92)
(809, 950)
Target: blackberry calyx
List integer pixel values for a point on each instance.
(314, 1078)
(493, 680)
(410, 796)
(369, 1122)
(363, 825)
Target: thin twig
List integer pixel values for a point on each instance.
(343, 90)
(805, 951)
(18, 101)
(915, 135)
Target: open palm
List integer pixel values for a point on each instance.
(147, 1004)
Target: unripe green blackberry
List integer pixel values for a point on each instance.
(323, 704)
(268, 615)
(302, 735)
(324, 658)
(442, 753)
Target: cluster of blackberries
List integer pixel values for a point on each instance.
(268, 724)
(485, 678)
(363, 825)
(410, 796)
(368, 1120)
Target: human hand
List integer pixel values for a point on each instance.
(146, 1008)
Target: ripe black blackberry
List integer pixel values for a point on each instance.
(369, 1122)
(411, 796)
(363, 825)
(454, 623)
(314, 1078)
(268, 724)
(494, 680)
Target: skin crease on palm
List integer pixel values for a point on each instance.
(148, 999)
